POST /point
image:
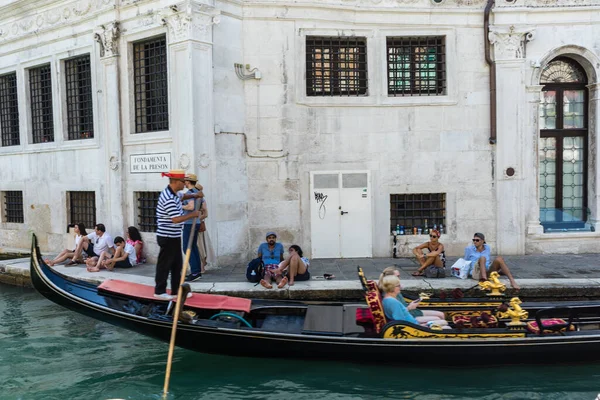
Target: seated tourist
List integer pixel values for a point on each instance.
(431, 254)
(124, 257)
(394, 310)
(98, 241)
(80, 232)
(422, 316)
(295, 267)
(135, 239)
(271, 254)
(480, 254)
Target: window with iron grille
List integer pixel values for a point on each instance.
(80, 116)
(151, 86)
(13, 206)
(9, 110)
(414, 210)
(146, 210)
(416, 66)
(82, 208)
(336, 66)
(42, 121)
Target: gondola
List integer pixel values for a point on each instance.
(332, 331)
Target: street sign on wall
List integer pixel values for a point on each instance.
(149, 163)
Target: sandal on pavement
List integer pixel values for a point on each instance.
(417, 273)
(328, 276)
(266, 284)
(71, 263)
(283, 282)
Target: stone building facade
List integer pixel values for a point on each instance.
(328, 121)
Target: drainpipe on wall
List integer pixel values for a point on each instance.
(492, 65)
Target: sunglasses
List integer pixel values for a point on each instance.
(432, 236)
(477, 240)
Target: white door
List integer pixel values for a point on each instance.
(341, 214)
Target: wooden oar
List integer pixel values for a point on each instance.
(180, 300)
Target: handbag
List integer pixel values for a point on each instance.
(461, 268)
(202, 227)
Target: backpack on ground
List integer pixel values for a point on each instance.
(255, 270)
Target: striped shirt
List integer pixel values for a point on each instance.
(169, 206)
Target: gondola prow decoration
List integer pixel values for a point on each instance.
(494, 285)
(515, 313)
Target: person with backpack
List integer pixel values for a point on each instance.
(271, 254)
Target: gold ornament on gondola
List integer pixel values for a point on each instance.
(515, 313)
(494, 285)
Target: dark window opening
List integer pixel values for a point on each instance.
(82, 208)
(151, 85)
(146, 210)
(336, 66)
(416, 66)
(9, 110)
(80, 116)
(13, 206)
(417, 210)
(42, 120)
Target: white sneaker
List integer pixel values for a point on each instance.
(189, 295)
(164, 296)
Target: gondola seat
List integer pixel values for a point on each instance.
(550, 325)
(372, 317)
(468, 320)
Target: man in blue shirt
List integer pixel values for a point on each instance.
(479, 254)
(271, 254)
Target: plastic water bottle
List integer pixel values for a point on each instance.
(397, 229)
(402, 229)
(441, 228)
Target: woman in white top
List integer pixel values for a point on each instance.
(66, 253)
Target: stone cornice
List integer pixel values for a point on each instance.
(39, 20)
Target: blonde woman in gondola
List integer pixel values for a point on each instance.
(422, 316)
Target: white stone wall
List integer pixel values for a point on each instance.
(253, 143)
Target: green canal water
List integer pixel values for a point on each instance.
(47, 352)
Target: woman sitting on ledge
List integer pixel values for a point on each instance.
(79, 230)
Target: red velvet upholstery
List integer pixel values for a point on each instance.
(532, 326)
(374, 314)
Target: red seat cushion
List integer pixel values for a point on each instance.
(198, 300)
(475, 320)
(533, 327)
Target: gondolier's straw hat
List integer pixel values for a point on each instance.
(175, 174)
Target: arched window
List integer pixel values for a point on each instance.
(563, 145)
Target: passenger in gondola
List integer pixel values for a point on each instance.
(80, 232)
(294, 268)
(394, 310)
(422, 316)
(431, 257)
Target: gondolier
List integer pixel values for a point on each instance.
(169, 218)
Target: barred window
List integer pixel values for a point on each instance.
(42, 121)
(82, 207)
(9, 110)
(416, 66)
(336, 66)
(80, 116)
(151, 86)
(146, 210)
(13, 206)
(414, 210)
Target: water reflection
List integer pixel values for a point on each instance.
(64, 355)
